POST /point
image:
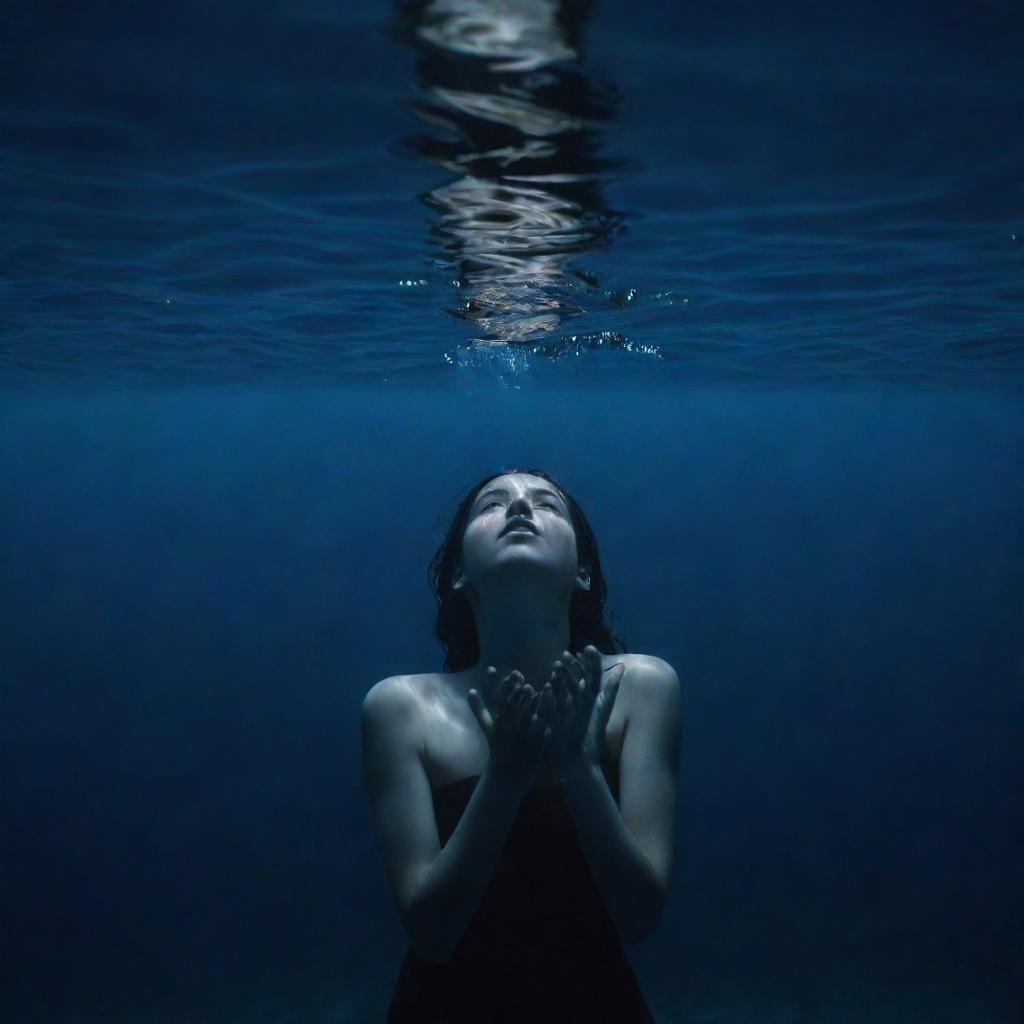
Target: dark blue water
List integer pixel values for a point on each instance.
(280, 280)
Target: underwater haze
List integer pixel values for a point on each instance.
(281, 280)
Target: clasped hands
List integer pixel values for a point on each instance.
(565, 721)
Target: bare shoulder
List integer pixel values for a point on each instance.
(648, 684)
(399, 707)
(642, 669)
(392, 688)
(395, 695)
(390, 719)
(414, 692)
(640, 665)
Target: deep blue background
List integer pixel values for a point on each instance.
(230, 441)
(199, 588)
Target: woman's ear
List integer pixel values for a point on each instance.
(583, 579)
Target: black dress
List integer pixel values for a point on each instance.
(540, 948)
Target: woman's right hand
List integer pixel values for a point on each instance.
(515, 721)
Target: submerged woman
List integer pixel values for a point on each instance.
(523, 799)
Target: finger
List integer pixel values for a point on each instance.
(524, 702)
(515, 695)
(591, 658)
(561, 691)
(490, 682)
(615, 674)
(518, 685)
(548, 706)
(506, 718)
(544, 715)
(529, 720)
(607, 698)
(617, 677)
(483, 716)
(549, 711)
(506, 689)
(602, 713)
(573, 682)
(499, 690)
(543, 741)
(506, 711)
(586, 691)
(577, 668)
(503, 691)
(535, 730)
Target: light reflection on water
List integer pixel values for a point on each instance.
(516, 120)
(801, 210)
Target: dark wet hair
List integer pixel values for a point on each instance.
(455, 627)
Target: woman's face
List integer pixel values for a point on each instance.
(546, 539)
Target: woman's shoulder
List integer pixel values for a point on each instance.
(634, 661)
(392, 695)
(408, 693)
(412, 684)
(643, 671)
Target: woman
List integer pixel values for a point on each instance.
(524, 798)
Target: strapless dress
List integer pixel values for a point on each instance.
(541, 946)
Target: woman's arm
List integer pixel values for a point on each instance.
(436, 891)
(629, 847)
(452, 887)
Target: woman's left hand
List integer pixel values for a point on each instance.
(584, 707)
